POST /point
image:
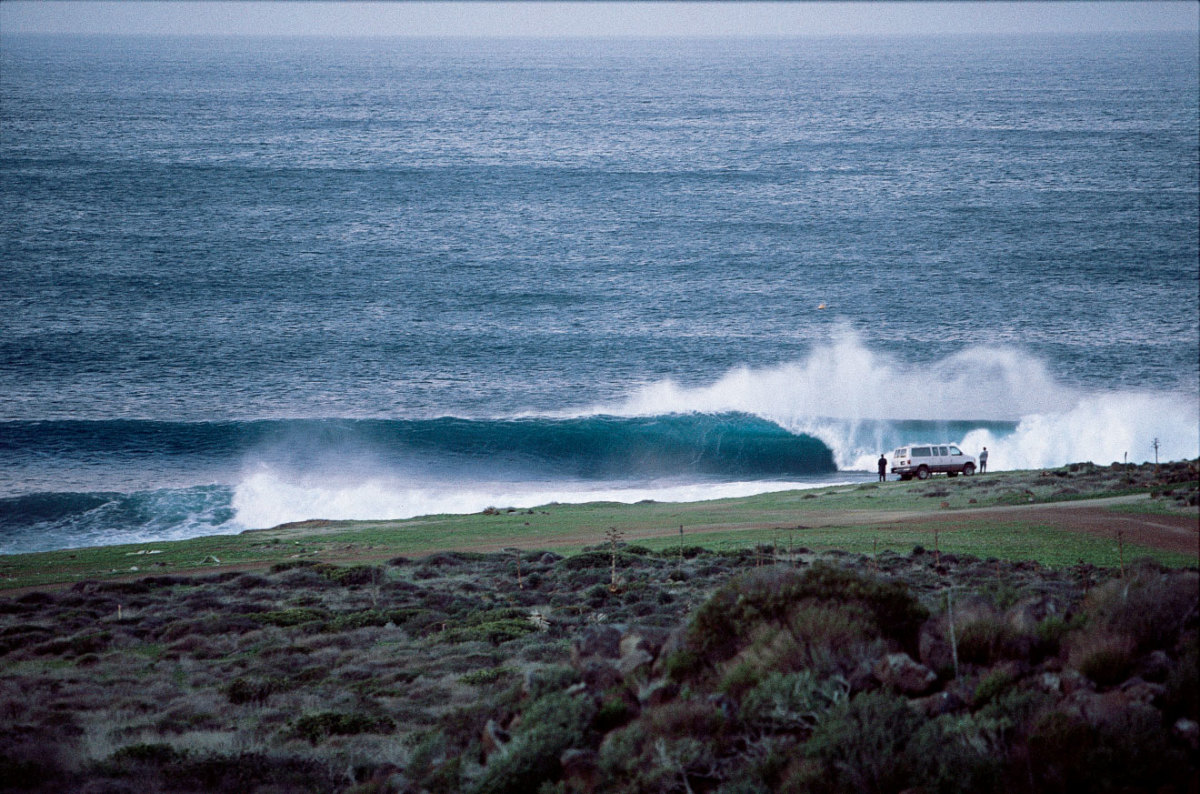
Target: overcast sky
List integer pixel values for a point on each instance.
(590, 18)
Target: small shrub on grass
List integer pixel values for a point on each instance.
(242, 690)
(295, 616)
(315, 728)
(546, 680)
(489, 675)
(496, 632)
(354, 575)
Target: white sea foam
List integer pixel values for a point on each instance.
(269, 497)
(852, 398)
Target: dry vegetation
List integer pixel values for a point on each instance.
(681, 670)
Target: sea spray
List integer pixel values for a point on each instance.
(860, 402)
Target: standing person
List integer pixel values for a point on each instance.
(983, 461)
(882, 468)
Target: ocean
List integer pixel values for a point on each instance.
(245, 281)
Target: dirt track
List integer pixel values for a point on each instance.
(1178, 533)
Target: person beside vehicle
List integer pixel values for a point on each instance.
(983, 461)
(882, 468)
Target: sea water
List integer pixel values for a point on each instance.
(249, 281)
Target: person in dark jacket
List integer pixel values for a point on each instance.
(882, 468)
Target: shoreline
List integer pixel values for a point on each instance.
(1077, 512)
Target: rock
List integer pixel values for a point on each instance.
(1155, 667)
(640, 648)
(1142, 691)
(1188, 731)
(632, 659)
(900, 672)
(1074, 681)
(933, 647)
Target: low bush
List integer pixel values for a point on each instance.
(861, 745)
(1103, 656)
(790, 702)
(315, 728)
(549, 726)
(823, 608)
(241, 690)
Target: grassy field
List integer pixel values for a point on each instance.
(866, 518)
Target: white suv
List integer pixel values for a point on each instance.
(922, 460)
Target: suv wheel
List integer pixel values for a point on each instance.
(923, 473)
(969, 469)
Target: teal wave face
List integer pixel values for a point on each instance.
(39, 521)
(733, 444)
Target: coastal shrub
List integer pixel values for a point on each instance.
(1182, 696)
(1104, 656)
(488, 675)
(959, 754)
(354, 575)
(789, 702)
(992, 686)
(315, 728)
(1048, 637)
(294, 616)
(820, 607)
(550, 725)
(1150, 608)
(241, 690)
(988, 638)
(495, 632)
(663, 749)
(545, 680)
(861, 745)
(590, 559)
(1125, 750)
